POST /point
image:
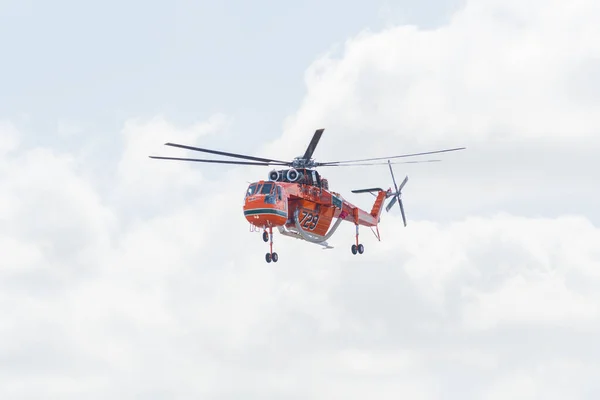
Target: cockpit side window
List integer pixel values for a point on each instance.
(251, 190)
(267, 188)
(278, 192)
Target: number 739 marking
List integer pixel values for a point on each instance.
(309, 220)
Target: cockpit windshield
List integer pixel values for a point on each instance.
(259, 188)
(267, 188)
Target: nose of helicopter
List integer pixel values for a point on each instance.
(263, 210)
(265, 205)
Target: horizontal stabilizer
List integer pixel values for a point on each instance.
(371, 190)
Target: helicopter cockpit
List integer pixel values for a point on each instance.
(271, 191)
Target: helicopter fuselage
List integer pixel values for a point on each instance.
(307, 206)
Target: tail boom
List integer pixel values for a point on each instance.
(356, 215)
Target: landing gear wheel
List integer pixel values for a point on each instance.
(354, 249)
(361, 248)
(268, 257)
(265, 236)
(274, 257)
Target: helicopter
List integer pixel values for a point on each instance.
(297, 201)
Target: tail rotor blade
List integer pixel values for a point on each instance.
(397, 194)
(391, 204)
(393, 178)
(402, 211)
(403, 183)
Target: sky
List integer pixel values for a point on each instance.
(127, 277)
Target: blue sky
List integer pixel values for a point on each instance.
(96, 64)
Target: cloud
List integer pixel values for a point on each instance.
(513, 83)
(166, 303)
(153, 286)
(498, 71)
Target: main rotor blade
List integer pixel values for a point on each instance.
(313, 144)
(382, 163)
(223, 153)
(211, 161)
(400, 156)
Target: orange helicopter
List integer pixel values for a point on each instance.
(298, 202)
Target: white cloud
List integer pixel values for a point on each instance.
(154, 287)
(142, 139)
(497, 72)
(165, 301)
(513, 83)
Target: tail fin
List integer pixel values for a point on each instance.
(378, 205)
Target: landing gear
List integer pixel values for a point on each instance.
(268, 237)
(358, 247)
(271, 257)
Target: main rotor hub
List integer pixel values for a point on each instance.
(300, 162)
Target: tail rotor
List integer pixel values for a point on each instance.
(397, 194)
